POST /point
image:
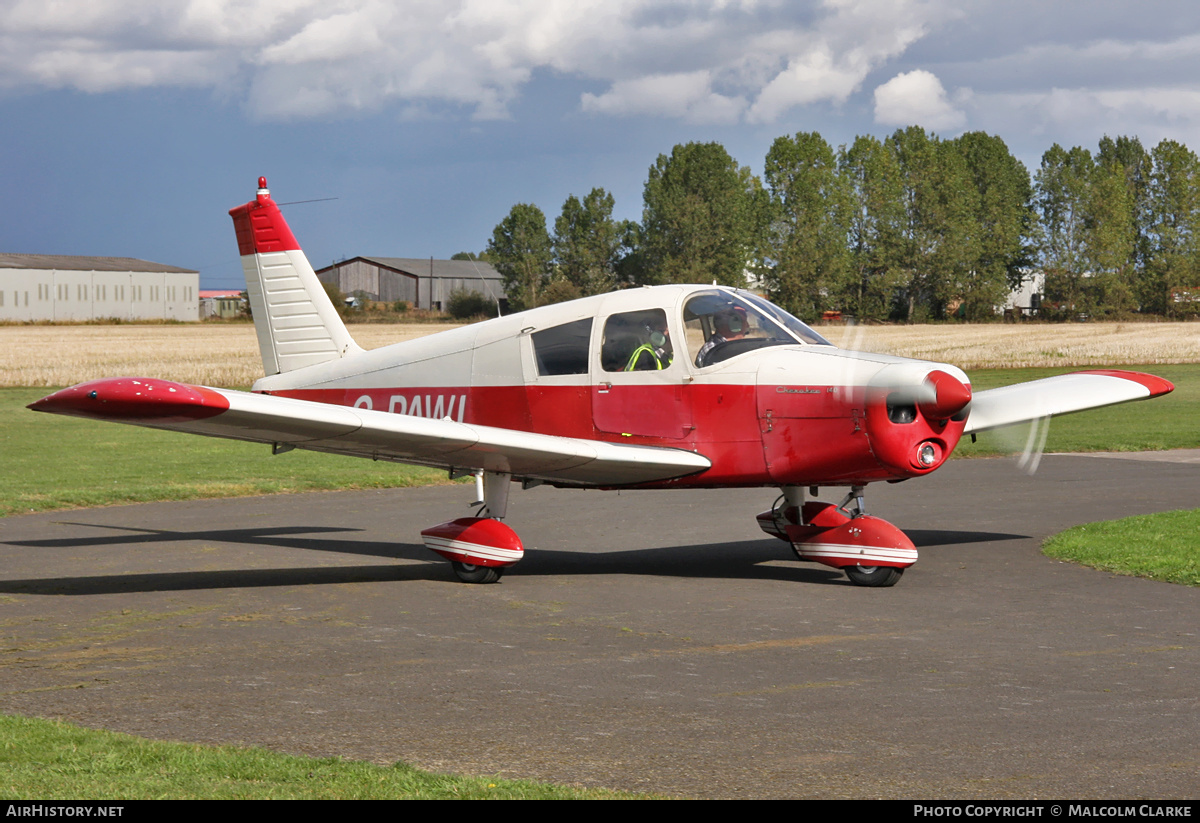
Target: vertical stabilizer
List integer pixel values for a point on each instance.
(297, 325)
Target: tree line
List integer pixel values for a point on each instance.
(910, 227)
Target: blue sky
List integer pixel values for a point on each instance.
(131, 127)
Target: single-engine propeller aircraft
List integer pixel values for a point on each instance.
(663, 387)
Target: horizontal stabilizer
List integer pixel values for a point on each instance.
(379, 435)
(1066, 393)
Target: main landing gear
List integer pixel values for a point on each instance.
(470, 573)
(479, 548)
(871, 551)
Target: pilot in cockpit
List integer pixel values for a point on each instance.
(729, 324)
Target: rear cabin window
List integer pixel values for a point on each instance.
(563, 349)
(636, 341)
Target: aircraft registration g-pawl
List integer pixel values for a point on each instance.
(665, 387)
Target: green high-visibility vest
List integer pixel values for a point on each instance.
(633, 358)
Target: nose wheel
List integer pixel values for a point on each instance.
(871, 551)
(873, 576)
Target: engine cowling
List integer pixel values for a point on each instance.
(915, 420)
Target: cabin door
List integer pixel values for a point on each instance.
(638, 378)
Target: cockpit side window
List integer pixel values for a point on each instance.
(719, 325)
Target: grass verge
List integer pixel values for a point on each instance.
(48, 760)
(1155, 546)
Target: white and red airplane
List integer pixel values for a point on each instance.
(664, 387)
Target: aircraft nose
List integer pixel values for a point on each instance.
(945, 396)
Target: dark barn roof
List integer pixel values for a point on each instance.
(65, 262)
(419, 267)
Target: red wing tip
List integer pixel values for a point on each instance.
(1155, 385)
(134, 399)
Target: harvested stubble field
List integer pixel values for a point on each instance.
(1030, 345)
(227, 354)
(210, 354)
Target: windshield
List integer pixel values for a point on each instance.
(722, 324)
(793, 324)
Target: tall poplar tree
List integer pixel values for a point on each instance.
(1111, 240)
(520, 250)
(1087, 232)
(807, 267)
(875, 225)
(1173, 230)
(1062, 202)
(1004, 221)
(939, 241)
(588, 243)
(702, 218)
(1136, 165)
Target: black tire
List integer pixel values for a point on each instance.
(468, 573)
(873, 576)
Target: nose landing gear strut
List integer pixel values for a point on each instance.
(871, 551)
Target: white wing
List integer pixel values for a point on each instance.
(1063, 394)
(379, 435)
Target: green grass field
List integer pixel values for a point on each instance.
(1163, 423)
(46, 760)
(55, 462)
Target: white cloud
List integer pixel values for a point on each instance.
(807, 79)
(916, 98)
(699, 60)
(84, 66)
(327, 39)
(837, 55)
(1082, 116)
(687, 96)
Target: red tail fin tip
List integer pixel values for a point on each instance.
(260, 225)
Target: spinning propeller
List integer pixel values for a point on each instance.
(937, 394)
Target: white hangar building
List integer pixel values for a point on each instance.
(58, 287)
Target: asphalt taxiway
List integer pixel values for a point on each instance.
(650, 641)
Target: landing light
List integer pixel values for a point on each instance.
(927, 455)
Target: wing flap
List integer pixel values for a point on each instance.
(1066, 393)
(368, 433)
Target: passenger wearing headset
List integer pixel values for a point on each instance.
(656, 352)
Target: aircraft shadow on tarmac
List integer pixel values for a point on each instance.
(928, 538)
(746, 560)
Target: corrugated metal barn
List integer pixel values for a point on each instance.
(60, 287)
(424, 282)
